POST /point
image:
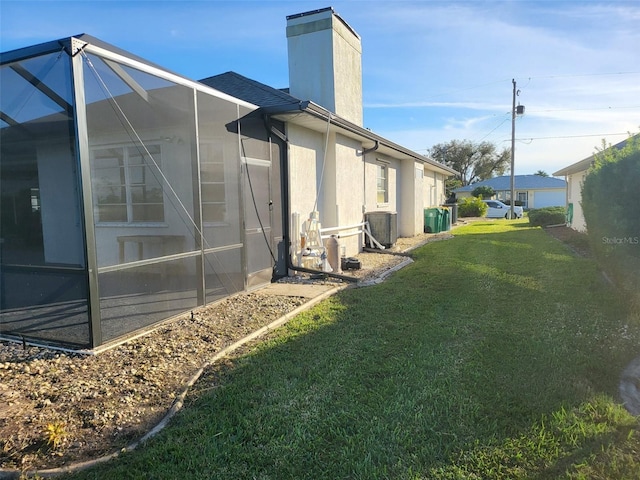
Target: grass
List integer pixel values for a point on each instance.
(495, 355)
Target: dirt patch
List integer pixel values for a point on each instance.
(59, 408)
(576, 241)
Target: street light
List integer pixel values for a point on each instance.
(519, 110)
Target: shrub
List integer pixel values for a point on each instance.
(472, 207)
(543, 217)
(612, 214)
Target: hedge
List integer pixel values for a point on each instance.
(543, 217)
(612, 213)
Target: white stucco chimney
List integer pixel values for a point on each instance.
(325, 62)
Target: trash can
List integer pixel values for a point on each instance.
(432, 220)
(446, 224)
(454, 212)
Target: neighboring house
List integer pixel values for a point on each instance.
(131, 194)
(575, 175)
(532, 191)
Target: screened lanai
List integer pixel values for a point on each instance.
(129, 195)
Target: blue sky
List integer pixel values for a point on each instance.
(433, 71)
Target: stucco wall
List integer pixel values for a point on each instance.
(346, 204)
(434, 189)
(306, 152)
(336, 179)
(411, 198)
(348, 184)
(574, 196)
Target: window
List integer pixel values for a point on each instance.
(127, 184)
(212, 183)
(382, 183)
(522, 198)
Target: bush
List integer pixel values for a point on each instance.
(543, 217)
(472, 207)
(612, 214)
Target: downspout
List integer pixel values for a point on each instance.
(272, 131)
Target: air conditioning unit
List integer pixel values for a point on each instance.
(384, 228)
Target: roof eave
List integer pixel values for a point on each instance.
(290, 113)
(580, 166)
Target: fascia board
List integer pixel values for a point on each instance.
(580, 166)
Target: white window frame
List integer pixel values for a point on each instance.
(128, 183)
(217, 159)
(382, 177)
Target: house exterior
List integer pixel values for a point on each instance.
(531, 191)
(575, 175)
(131, 194)
(335, 165)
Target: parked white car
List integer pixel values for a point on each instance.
(497, 209)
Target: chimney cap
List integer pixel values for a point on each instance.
(312, 12)
(321, 10)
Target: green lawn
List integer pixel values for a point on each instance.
(496, 354)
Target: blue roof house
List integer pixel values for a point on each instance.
(532, 191)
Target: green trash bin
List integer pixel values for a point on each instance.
(446, 220)
(432, 220)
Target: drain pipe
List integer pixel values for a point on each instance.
(364, 175)
(273, 131)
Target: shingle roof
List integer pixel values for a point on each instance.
(244, 88)
(521, 182)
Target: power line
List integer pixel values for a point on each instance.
(582, 109)
(532, 77)
(569, 136)
(571, 75)
(495, 128)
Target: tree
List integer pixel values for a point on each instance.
(483, 191)
(611, 153)
(541, 173)
(473, 161)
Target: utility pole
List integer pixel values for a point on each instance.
(519, 110)
(513, 148)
